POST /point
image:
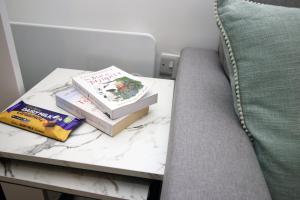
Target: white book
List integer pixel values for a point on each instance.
(75, 103)
(113, 91)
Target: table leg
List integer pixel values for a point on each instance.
(1, 193)
(15, 192)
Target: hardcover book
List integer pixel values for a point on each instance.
(112, 90)
(78, 105)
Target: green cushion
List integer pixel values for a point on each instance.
(263, 45)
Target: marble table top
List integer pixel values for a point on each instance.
(139, 151)
(73, 181)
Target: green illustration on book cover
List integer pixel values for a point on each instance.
(121, 89)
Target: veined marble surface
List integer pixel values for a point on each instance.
(140, 150)
(73, 181)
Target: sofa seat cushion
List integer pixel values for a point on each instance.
(209, 155)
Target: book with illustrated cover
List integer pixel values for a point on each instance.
(75, 103)
(112, 90)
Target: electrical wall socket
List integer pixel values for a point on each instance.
(168, 63)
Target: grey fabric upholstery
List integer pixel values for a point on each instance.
(209, 155)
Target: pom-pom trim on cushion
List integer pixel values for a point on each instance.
(235, 71)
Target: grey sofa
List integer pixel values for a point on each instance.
(210, 156)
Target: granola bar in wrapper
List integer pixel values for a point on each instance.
(38, 120)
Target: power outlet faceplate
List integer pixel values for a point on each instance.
(168, 63)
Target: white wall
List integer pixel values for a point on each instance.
(174, 23)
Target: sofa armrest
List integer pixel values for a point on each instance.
(209, 155)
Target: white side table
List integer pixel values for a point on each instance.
(139, 151)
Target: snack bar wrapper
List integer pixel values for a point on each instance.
(38, 120)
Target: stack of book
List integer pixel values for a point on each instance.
(109, 99)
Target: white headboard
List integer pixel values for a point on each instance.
(42, 48)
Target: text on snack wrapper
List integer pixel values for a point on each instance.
(42, 114)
